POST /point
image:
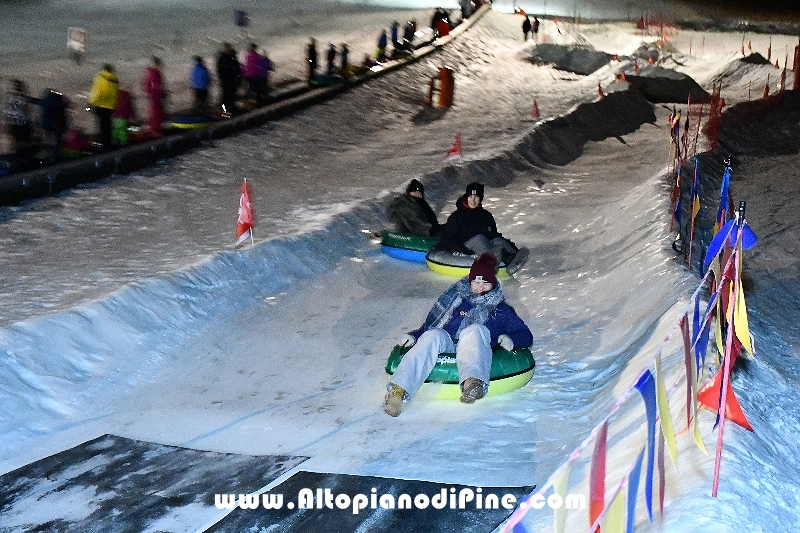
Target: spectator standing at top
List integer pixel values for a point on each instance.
(124, 114)
(394, 33)
(16, 116)
(230, 77)
(383, 41)
(535, 29)
(408, 34)
(54, 117)
(526, 27)
(153, 83)
(250, 70)
(200, 79)
(311, 58)
(265, 66)
(442, 26)
(344, 53)
(103, 100)
(466, 8)
(331, 57)
(435, 18)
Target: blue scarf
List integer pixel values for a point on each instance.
(482, 305)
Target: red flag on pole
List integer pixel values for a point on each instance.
(245, 222)
(535, 109)
(455, 148)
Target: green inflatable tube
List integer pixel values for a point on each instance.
(409, 242)
(510, 370)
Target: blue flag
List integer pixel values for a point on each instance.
(647, 388)
(633, 489)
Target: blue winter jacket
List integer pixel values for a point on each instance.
(502, 320)
(200, 77)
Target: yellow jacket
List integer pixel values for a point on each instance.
(104, 90)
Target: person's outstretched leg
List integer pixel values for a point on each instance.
(415, 367)
(479, 244)
(474, 361)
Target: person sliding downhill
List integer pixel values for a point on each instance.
(471, 229)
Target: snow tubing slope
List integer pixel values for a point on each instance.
(510, 370)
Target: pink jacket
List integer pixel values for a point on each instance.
(250, 66)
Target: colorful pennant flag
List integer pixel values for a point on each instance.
(724, 199)
(663, 412)
(614, 519)
(695, 205)
(245, 221)
(647, 388)
(597, 476)
(560, 488)
(633, 491)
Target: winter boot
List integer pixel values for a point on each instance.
(516, 263)
(393, 403)
(471, 390)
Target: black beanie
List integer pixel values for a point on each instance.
(415, 185)
(475, 188)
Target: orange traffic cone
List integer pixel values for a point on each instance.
(455, 148)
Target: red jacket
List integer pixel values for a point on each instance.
(153, 83)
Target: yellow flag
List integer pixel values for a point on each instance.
(740, 323)
(560, 488)
(718, 327)
(614, 519)
(695, 428)
(663, 411)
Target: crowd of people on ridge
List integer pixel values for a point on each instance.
(242, 85)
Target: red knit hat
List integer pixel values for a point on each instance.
(484, 268)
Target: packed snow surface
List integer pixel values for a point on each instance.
(126, 310)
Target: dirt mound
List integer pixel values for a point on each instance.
(767, 126)
(651, 52)
(660, 85)
(755, 59)
(578, 59)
